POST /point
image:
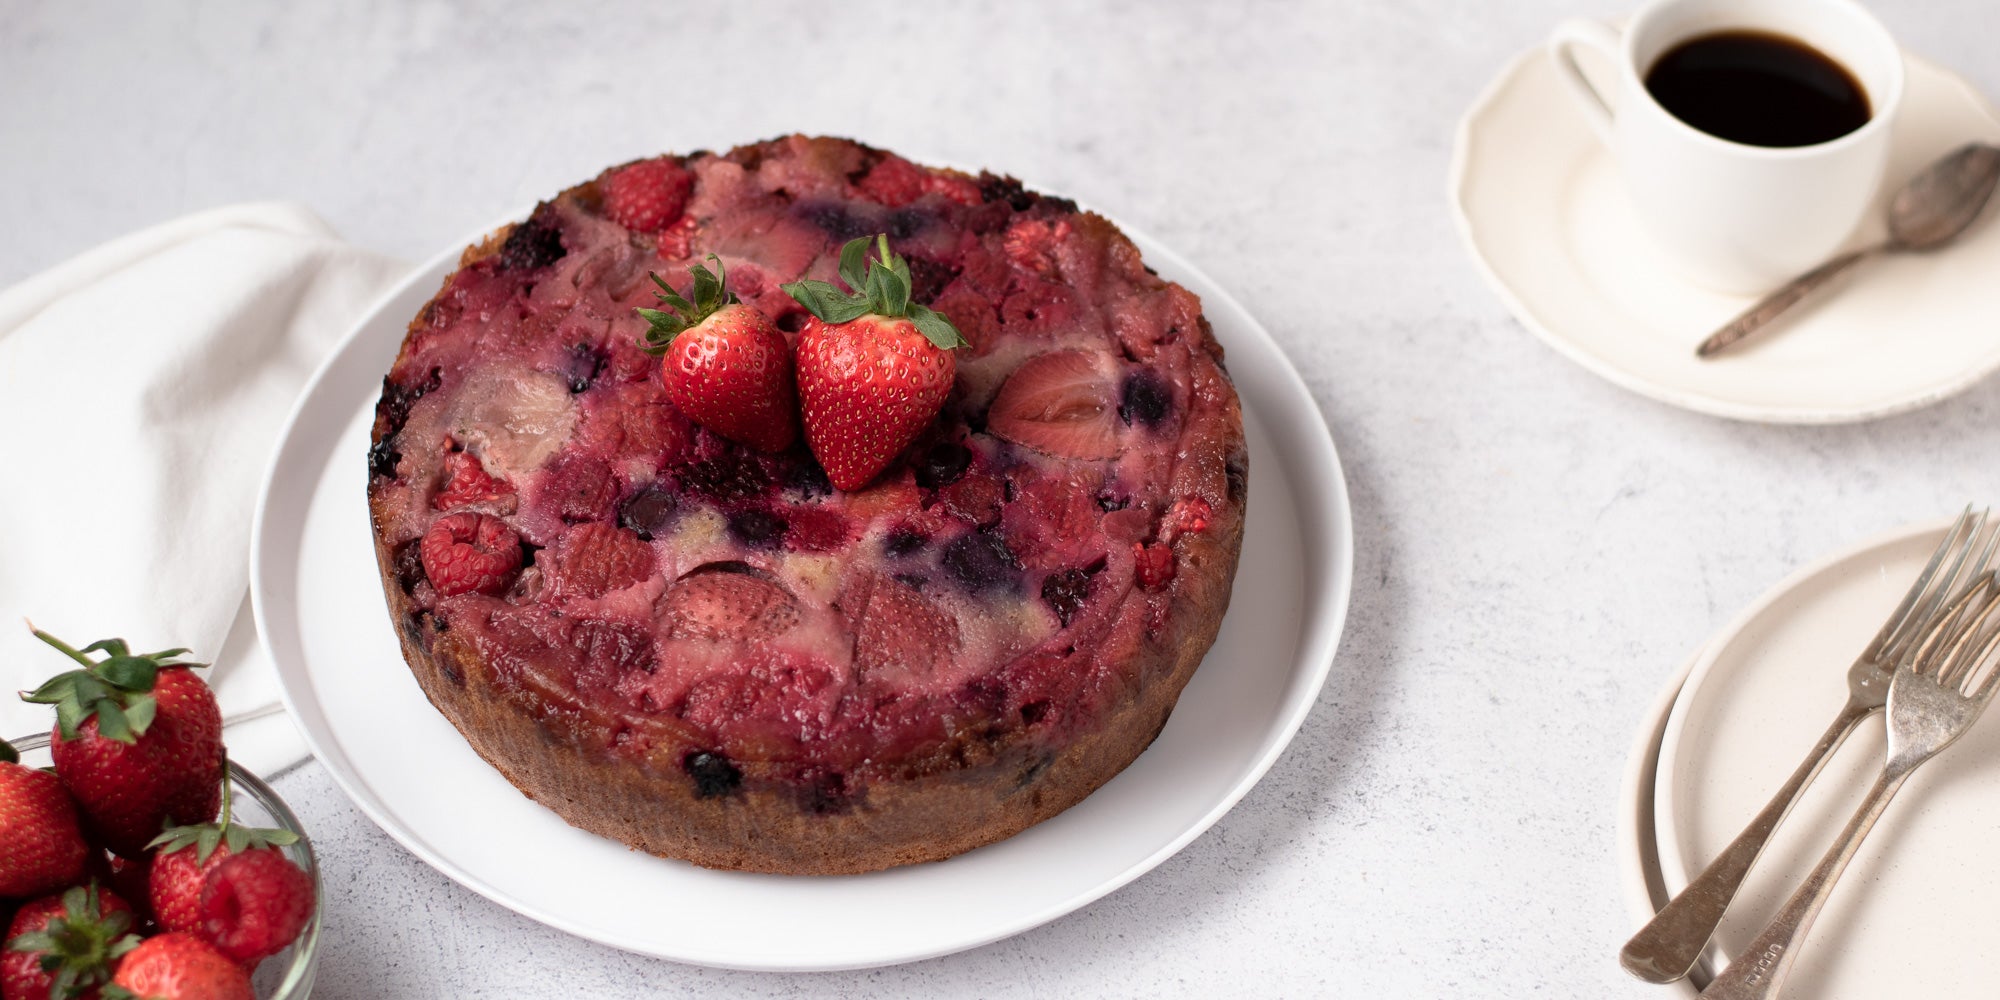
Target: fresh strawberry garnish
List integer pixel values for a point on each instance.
(874, 367)
(468, 552)
(726, 366)
(467, 482)
(1060, 404)
(44, 845)
(138, 741)
(178, 966)
(66, 945)
(647, 195)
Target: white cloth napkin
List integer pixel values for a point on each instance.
(142, 387)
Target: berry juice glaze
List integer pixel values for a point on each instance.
(679, 597)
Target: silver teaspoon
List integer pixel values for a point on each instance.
(1929, 212)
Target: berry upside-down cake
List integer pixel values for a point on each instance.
(804, 509)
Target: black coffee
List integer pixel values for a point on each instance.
(1758, 88)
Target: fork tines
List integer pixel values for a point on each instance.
(1963, 637)
(1953, 570)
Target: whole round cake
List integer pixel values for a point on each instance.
(707, 650)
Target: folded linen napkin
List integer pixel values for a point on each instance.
(142, 387)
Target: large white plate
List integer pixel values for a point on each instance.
(321, 614)
(1539, 204)
(1914, 914)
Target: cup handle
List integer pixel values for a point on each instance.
(1563, 43)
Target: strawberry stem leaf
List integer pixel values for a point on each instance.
(117, 690)
(879, 285)
(80, 946)
(709, 294)
(854, 263)
(131, 673)
(936, 328)
(204, 837)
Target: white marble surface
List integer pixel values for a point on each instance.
(1537, 549)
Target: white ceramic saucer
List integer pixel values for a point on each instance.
(1917, 914)
(1540, 206)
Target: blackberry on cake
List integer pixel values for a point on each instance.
(888, 643)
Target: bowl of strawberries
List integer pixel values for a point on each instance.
(136, 860)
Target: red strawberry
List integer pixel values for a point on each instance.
(174, 885)
(1060, 404)
(138, 741)
(466, 481)
(647, 195)
(186, 866)
(45, 849)
(254, 904)
(178, 966)
(874, 367)
(726, 366)
(129, 877)
(899, 634)
(594, 559)
(725, 606)
(65, 946)
(470, 552)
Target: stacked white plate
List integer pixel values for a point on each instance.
(1918, 911)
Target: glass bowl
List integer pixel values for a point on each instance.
(287, 975)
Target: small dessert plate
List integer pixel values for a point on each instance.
(1638, 850)
(318, 598)
(1913, 914)
(1540, 205)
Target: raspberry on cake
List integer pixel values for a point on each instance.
(713, 652)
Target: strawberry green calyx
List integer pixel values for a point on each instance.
(204, 837)
(680, 314)
(80, 947)
(116, 689)
(880, 286)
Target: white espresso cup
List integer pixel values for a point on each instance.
(1729, 215)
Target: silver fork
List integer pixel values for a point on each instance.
(1940, 686)
(1668, 946)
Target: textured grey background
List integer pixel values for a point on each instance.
(1536, 549)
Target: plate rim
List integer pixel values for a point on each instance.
(1674, 868)
(1635, 831)
(1322, 624)
(1459, 175)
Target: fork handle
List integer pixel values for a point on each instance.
(1760, 970)
(1668, 946)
